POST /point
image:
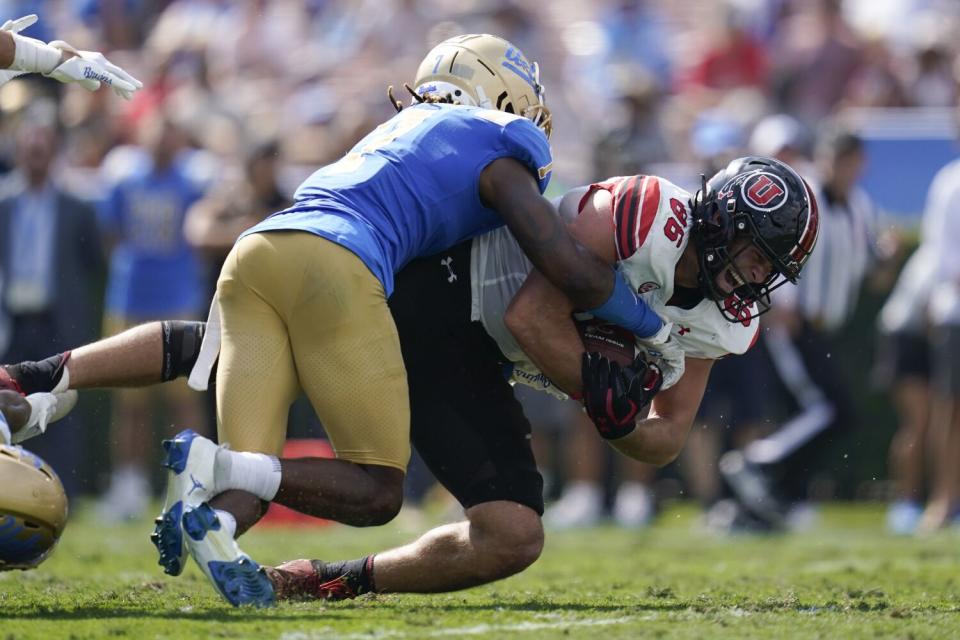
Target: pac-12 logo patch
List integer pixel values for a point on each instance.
(648, 286)
(765, 191)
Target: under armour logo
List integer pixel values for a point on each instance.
(683, 330)
(447, 262)
(197, 485)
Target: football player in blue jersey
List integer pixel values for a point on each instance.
(301, 304)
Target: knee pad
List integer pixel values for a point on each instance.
(181, 347)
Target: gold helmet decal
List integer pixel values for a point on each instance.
(485, 71)
(33, 509)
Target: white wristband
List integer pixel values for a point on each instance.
(34, 56)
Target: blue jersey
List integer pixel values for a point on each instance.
(411, 187)
(153, 271)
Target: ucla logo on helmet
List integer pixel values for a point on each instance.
(516, 63)
(765, 191)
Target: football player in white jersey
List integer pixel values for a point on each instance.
(706, 263)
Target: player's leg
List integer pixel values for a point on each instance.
(498, 539)
(146, 354)
(903, 368)
(339, 332)
(256, 383)
(349, 364)
(471, 432)
(489, 466)
(477, 445)
(945, 428)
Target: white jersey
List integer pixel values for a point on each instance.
(651, 222)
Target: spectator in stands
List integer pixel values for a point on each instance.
(817, 55)
(215, 222)
(727, 58)
(153, 274)
(632, 137)
(50, 259)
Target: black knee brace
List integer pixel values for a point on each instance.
(181, 347)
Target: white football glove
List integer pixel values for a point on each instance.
(668, 354)
(18, 25)
(15, 26)
(90, 68)
(44, 409)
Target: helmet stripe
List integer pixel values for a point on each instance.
(809, 235)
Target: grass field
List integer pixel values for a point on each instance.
(846, 579)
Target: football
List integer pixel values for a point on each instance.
(610, 340)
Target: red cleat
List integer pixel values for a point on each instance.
(301, 580)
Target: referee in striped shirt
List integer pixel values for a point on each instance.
(800, 339)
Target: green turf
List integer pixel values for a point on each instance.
(846, 579)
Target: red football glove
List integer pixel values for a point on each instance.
(614, 395)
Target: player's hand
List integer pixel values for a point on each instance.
(614, 395)
(90, 68)
(15, 26)
(44, 409)
(665, 351)
(18, 25)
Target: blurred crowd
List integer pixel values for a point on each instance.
(244, 98)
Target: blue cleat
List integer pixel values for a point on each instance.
(190, 458)
(234, 574)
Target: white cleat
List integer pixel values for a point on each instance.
(191, 460)
(234, 574)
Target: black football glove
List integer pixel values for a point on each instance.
(614, 395)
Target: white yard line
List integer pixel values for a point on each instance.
(327, 633)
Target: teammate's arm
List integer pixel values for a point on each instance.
(7, 49)
(507, 186)
(539, 316)
(59, 60)
(659, 437)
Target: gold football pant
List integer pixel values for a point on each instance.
(301, 312)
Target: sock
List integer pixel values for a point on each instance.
(255, 473)
(227, 521)
(357, 574)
